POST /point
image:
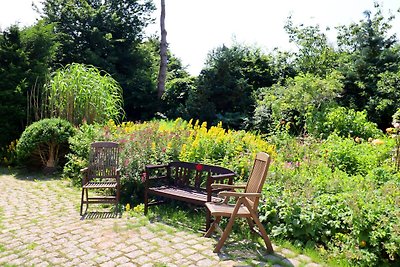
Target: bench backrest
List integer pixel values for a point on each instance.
(195, 175)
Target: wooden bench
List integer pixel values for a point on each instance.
(185, 181)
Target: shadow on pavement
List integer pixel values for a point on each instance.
(100, 215)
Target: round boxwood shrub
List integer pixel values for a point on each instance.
(44, 143)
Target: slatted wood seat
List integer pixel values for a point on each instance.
(102, 175)
(184, 181)
(246, 203)
(186, 194)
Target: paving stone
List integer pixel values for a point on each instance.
(196, 257)
(142, 260)
(312, 264)
(135, 254)
(122, 260)
(291, 262)
(303, 258)
(206, 262)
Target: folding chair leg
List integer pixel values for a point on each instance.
(225, 234)
(264, 235)
(211, 229)
(261, 228)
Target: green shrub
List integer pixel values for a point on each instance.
(337, 195)
(348, 123)
(356, 157)
(44, 143)
(79, 145)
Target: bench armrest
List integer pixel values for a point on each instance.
(228, 186)
(147, 174)
(219, 177)
(154, 167)
(238, 194)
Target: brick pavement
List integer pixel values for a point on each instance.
(40, 225)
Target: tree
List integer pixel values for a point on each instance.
(367, 51)
(25, 59)
(108, 34)
(388, 95)
(298, 104)
(315, 55)
(226, 85)
(162, 74)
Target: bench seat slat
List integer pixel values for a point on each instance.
(185, 194)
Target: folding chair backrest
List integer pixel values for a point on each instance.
(257, 176)
(103, 160)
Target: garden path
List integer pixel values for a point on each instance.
(40, 225)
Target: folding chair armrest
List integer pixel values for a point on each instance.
(238, 194)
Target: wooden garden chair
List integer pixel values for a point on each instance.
(246, 203)
(102, 175)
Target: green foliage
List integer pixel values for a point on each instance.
(44, 142)
(79, 145)
(175, 96)
(354, 157)
(79, 93)
(315, 55)
(226, 85)
(108, 35)
(388, 93)
(298, 103)
(368, 50)
(347, 123)
(338, 196)
(25, 57)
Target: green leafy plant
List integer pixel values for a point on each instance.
(348, 123)
(44, 143)
(80, 93)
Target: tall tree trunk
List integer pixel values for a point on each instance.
(162, 74)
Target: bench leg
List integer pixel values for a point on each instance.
(146, 202)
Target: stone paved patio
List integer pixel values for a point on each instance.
(40, 225)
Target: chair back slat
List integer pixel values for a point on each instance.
(103, 160)
(257, 176)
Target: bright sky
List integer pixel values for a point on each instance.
(195, 27)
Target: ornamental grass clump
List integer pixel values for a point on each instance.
(80, 93)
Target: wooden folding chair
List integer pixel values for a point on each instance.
(246, 203)
(102, 174)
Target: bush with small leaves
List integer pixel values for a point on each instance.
(44, 143)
